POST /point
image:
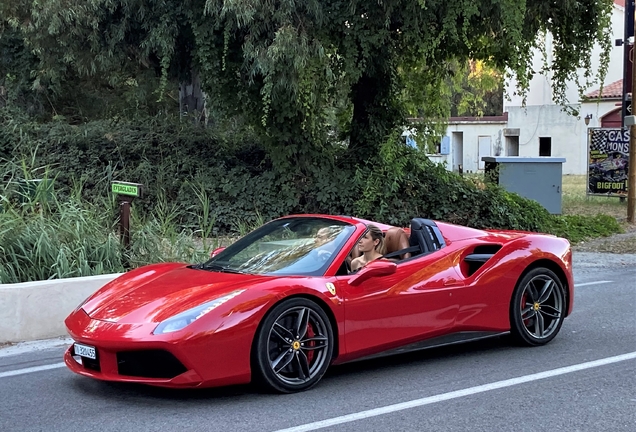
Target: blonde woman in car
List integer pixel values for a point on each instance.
(371, 244)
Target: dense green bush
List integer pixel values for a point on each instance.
(174, 160)
(200, 183)
(228, 167)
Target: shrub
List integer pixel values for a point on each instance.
(579, 227)
(203, 182)
(402, 183)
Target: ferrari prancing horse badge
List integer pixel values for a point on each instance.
(331, 287)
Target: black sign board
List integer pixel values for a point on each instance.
(608, 161)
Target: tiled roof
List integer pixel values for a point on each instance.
(610, 91)
(620, 2)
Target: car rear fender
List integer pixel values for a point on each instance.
(558, 270)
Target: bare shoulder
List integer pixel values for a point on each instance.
(356, 263)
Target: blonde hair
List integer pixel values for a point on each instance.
(377, 234)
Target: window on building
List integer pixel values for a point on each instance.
(545, 146)
(512, 146)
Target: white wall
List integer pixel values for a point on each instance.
(37, 310)
(567, 133)
(549, 121)
(471, 131)
(540, 92)
(541, 118)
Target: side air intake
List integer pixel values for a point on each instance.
(479, 257)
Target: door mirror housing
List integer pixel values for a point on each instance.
(380, 267)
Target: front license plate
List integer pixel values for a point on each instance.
(85, 351)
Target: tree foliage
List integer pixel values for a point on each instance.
(286, 66)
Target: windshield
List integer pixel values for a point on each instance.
(293, 246)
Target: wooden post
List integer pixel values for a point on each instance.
(124, 219)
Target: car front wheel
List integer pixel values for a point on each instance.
(293, 346)
(538, 307)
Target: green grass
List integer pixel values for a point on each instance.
(576, 202)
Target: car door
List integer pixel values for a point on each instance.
(414, 303)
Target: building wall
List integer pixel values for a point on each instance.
(541, 118)
(470, 133)
(540, 92)
(567, 133)
(549, 121)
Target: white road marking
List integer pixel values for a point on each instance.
(457, 394)
(591, 283)
(31, 370)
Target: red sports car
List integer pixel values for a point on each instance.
(281, 304)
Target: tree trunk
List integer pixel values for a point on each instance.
(192, 100)
(375, 115)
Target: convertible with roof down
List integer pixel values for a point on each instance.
(280, 305)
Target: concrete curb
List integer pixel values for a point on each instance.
(36, 310)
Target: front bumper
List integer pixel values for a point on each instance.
(106, 368)
(131, 353)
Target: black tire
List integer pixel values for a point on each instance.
(292, 347)
(537, 309)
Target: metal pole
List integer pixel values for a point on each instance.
(631, 177)
(627, 64)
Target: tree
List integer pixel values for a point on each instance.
(478, 91)
(285, 64)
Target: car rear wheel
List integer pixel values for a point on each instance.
(293, 346)
(538, 307)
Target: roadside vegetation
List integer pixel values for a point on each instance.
(58, 223)
(576, 202)
(44, 235)
(233, 115)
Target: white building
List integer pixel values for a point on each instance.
(541, 128)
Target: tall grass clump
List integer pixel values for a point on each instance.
(45, 237)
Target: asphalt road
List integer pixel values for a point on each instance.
(584, 380)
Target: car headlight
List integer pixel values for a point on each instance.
(186, 318)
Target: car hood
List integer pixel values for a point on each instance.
(154, 293)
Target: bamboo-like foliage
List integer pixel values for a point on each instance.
(42, 237)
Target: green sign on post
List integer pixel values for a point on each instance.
(126, 189)
(126, 192)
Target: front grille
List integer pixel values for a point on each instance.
(149, 364)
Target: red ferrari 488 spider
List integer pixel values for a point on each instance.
(280, 305)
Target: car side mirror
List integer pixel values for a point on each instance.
(216, 251)
(375, 268)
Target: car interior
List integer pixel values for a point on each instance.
(424, 237)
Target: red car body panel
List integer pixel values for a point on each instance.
(428, 296)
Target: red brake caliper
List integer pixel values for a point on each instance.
(310, 334)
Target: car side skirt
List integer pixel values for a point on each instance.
(450, 339)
